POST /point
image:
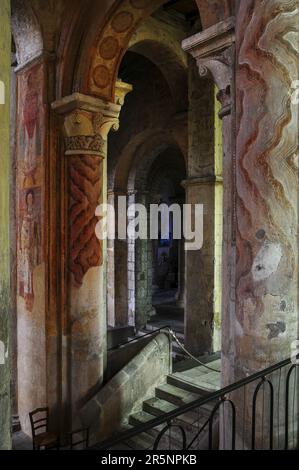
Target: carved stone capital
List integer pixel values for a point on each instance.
(213, 50)
(220, 69)
(86, 123)
(122, 89)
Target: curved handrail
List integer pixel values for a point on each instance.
(138, 338)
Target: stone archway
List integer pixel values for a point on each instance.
(103, 49)
(130, 180)
(98, 107)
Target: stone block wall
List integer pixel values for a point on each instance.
(127, 390)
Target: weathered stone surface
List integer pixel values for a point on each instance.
(5, 438)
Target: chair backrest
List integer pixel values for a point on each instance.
(39, 420)
(79, 439)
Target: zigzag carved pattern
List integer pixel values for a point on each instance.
(85, 176)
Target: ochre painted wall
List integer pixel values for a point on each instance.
(5, 47)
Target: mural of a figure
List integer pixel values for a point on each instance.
(29, 249)
(31, 125)
(31, 134)
(30, 178)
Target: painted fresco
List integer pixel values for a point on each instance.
(30, 179)
(30, 248)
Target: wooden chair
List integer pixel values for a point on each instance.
(41, 437)
(79, 438)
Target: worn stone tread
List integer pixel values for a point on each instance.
(176, 395)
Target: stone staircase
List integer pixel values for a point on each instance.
(180, 388)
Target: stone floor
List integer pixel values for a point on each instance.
(20, 441)
(201, 376)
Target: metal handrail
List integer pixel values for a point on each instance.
(195, 359)
(168, 417)
(137, 338)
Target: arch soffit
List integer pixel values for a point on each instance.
(132, 159)
(146, 155)
(159, 46)
(26, 32)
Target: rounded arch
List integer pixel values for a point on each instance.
(99, 37)
(164, 49)
(145, 160)
(99, 70)
(167, 171)
(149, 143)
(147, 32)
(171, 66)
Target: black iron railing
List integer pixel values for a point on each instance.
(257, 412)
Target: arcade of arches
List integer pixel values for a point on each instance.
(157, 101)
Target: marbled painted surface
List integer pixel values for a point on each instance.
(267, 183)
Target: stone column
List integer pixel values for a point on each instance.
(117, 267)
(143, 273)
(5, 37)
(86, 124)
(266, 278)
(117, 272)
(199, 315)
(214, 52)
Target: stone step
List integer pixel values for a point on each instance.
(176, 437)
(158, 407)
(176, 395)
(146, 440)
(195, 385)
(142, 417)
(181, 388)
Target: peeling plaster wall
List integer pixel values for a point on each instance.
(5, 47)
